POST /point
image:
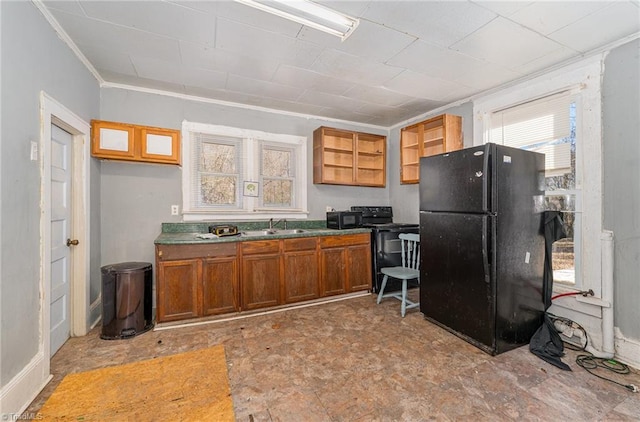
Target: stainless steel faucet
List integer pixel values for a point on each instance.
(272, 224)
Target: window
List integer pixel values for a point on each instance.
(548, 126)
(233, 173)
(576, 189)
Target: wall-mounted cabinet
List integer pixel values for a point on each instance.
(430, 137)
(123, 141)
(343, 157)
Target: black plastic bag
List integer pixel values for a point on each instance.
(547, 344)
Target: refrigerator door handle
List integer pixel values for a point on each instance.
(485, 250)
(485, 179)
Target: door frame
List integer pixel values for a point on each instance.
(52, 112)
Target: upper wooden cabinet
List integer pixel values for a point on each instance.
(343, 157)
(433, 136)
(123, 141)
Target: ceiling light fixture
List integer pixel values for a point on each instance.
(308, 13)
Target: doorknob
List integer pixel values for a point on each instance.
(73, 242)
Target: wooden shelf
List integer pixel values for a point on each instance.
(342, 157)
(433, 136)
(346, 166)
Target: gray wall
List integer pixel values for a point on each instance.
(33, 59)
(136, 198)
(405, 198)
(621, 117)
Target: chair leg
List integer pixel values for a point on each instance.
(403, 306)
(384, 284)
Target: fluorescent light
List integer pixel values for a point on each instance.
(308, 13)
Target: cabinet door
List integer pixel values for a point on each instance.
(301, 281)
(332, 271)
(112, 140)
(359, 268)
(260, 281)
(178, 290)
(160, 145)
(220, 285)
(261, 274)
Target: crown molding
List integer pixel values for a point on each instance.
(67, 39)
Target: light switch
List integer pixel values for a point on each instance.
(34, 151)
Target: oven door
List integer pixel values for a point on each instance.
(387, 253)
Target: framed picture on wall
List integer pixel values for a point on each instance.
(250, 189)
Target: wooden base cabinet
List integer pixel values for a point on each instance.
(178, 290)
(345, 264)
(261, 274)
(220, 285)
(300, 261)
(359, 267)
(196, 280)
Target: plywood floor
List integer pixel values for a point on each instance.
(354, 360)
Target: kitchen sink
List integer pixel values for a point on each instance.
(268, 232)
(257, 232)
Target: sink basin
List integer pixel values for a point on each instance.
(268, 232)
(258, 232)
(290, 231)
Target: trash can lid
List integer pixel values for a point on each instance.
(125, 267)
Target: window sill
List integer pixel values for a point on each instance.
(243, 216)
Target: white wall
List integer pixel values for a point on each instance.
(33, 59)
(136, 198)
(621, 145)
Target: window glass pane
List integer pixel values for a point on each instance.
(218, 190)
(548, 126)
(217, 158)
(277, 192)
(276, 163)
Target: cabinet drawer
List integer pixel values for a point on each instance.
(173, 252)
(344, 240)
(260, 247)
(301, 244)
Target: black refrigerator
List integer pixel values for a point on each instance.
(482, 244)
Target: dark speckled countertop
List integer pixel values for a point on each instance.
(187, 233)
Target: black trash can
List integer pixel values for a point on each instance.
(126, 300)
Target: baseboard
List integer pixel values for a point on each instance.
(627, 350)
(16, 396)
(95, 312)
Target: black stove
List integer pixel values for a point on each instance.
(385, 244)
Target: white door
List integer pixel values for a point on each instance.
(61, 147)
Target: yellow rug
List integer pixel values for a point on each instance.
(190, 386)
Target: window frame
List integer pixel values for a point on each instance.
(583, 79)
(250, 207)
(568, 98)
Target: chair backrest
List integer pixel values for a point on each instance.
(410, 244)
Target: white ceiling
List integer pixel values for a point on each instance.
(404, 59)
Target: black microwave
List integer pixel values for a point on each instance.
(344, 219)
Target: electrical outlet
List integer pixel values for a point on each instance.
(328, 208)
(175, 209)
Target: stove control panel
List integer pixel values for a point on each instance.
(376, 212)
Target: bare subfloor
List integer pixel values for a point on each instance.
(354, 360)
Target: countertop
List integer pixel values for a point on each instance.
(174, 234)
